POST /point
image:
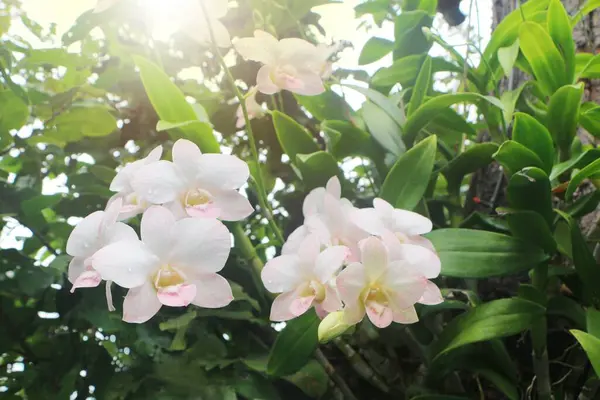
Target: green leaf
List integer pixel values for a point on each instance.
(535, 137)
(94, 121)
(529, 189)
(475, 157)
(592, 322)
(327, 105)
(591, 346)
(402, 71)
(583, 205)
(382, 102)
(589, 118)
(583, 259)
(178, 322)
(563, 114)
(294, 139)
(375, 49)
(408, 33)
(493, 320)
(13, 112)
(467, 253)
(507, 56)
(170, 104)
(316, 168)
(510, 389)
(405, 190)
(578, 162)
(294, 345)
(514, 157)
(427, 112)
(591, 170)
(544, 58)
(509, 100)
(165, 125)
(568, 308)
(559, 28)
(383, 128)
(586, 8)
(345, 139)
(531, 227)
(421, 87)
(311, 379)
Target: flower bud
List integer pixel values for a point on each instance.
(332, 326)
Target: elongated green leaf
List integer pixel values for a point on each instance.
(510, 390)
(589, 118)
(427, 112)
(294, 345)
(345, 139)
(565, 307)
(327, 105)
(316, 168)
(467, 253)
(583, 259)
(170, 104)
(531, 227)
(402, 71)
(87, 121)
(592, 322)
(544, 58)
(493, 320)
(405, 190)
(578, 162)
(529, 189)
(507, 57)
(559, 28)
(382, 102)
(534, 136)
(509, 100)
(563, 114)
(592, 169)
(408, 33)
(375, 49)
(514, 157)
(475, 157)
(591, 345)
(421, 87)
(294, 139)
(586, 8)
(383, 128)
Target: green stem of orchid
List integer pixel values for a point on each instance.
(262, 195)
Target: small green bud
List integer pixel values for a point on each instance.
(332, 326)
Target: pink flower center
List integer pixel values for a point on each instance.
(199, 203)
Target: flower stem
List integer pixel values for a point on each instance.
(335, 377)
(262, 195)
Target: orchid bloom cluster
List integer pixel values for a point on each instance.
(371, 261)
(183, 243)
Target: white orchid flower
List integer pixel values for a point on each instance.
(196, 184)
(384, 289)
(132, 203)
(95, 231)
(328, 216)
(175, 264)
(289, 64)
(304, 279)
(195, 22)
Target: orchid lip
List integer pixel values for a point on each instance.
(167, 276)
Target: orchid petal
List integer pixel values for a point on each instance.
(432, 295)
(374, 256)
(141, 304)
(282, 274)
(213, 291)
(281, 307)
(157, 230)
(201, 245)
(83, 240)
(332, 302)
(87, 279)
(185, 156)
(309, 250)
(264, 83)
(329, 262)
(351, 282)
(159, 182)
(232, 205)
(222, 171)
(177, 295)
(127, 263)
(292, 244)
(406, 316)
